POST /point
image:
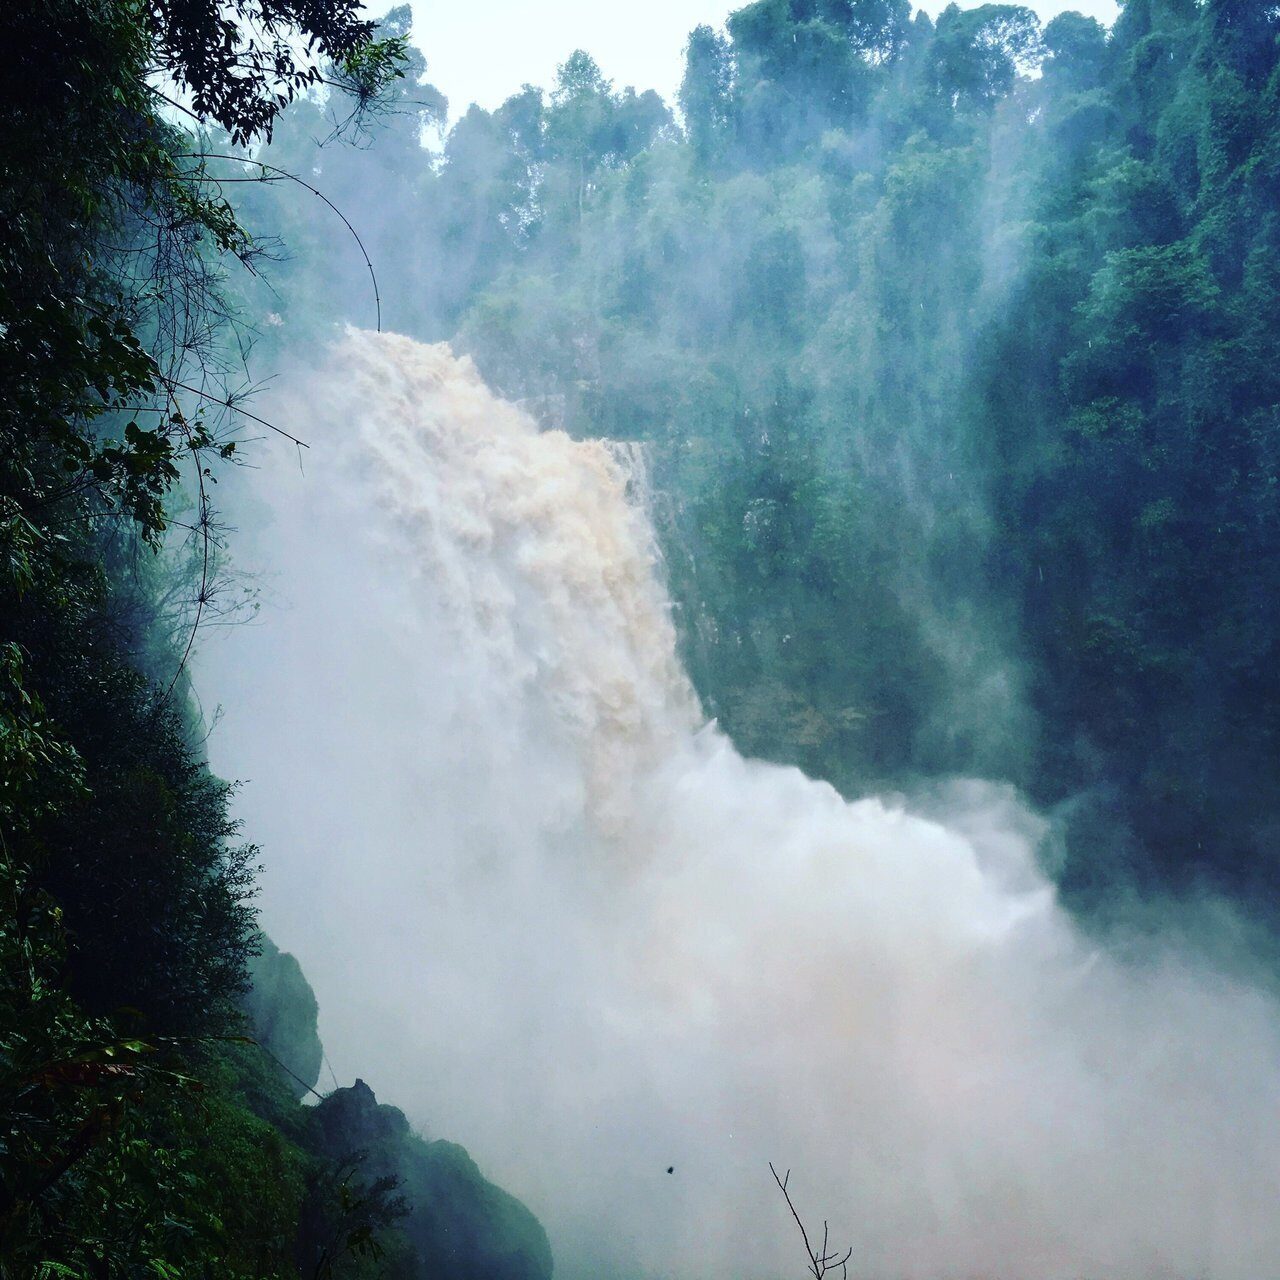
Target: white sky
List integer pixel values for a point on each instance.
(483, 51)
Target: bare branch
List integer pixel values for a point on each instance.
(293, 177)
(235, 408)
(823, 1261)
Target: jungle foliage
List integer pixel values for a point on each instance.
(148, 1126)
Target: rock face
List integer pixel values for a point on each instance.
(282, 1011)
(459, 1226)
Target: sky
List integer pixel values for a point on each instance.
(483, 52)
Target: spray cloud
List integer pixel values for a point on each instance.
(559, 919)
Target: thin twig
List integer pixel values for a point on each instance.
(819, 1263)
(293, 177)
(235, 408)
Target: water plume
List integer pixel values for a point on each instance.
(559, 918)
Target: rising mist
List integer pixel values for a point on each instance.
(555, 914)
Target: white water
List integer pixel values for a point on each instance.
(555, 917)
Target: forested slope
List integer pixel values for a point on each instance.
(150, 1121)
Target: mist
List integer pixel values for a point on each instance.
(554, 913)
(788, 682)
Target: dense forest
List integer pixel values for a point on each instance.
(950, 346)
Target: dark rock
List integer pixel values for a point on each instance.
(459, 1226)
(282, 1012)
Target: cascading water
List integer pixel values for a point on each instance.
(557, 918)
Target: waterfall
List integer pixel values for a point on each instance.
(557, 917)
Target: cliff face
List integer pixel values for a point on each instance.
(457, 1224)
(432, 1210)
(282, 1010)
